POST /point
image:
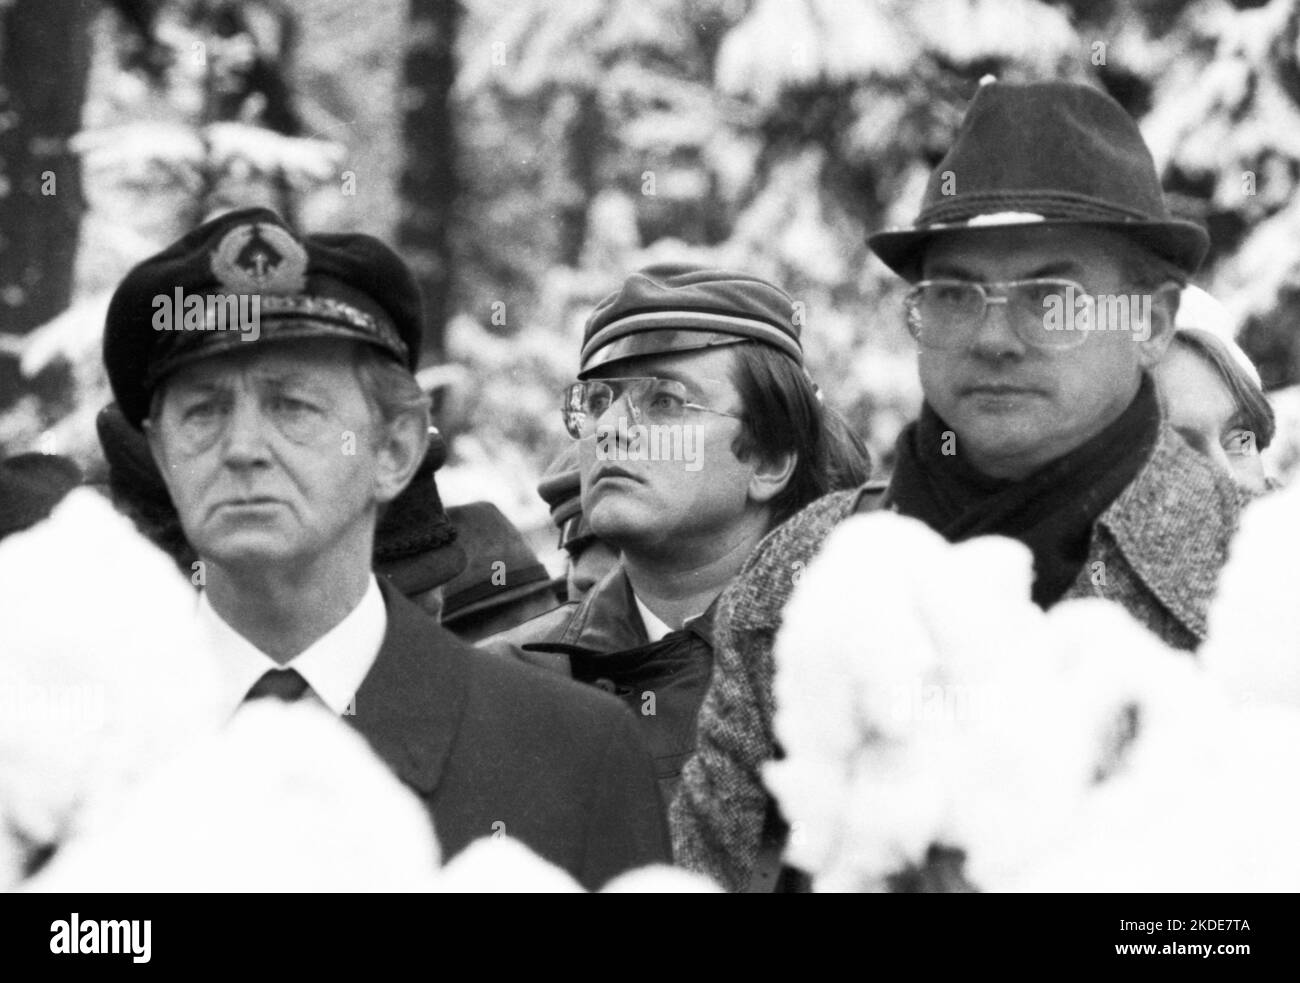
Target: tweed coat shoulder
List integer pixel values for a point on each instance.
(496, 747)
(1157, 550)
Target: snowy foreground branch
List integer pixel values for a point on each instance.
(118, 766)
(924, 702)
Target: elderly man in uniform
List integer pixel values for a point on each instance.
(1040, 421)
(272, 375)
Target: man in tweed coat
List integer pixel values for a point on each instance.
(1040, 420)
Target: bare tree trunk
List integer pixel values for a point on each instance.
(270, 27)
(44, 64)
(584, 144)
(428, 184)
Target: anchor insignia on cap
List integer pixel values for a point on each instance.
(260, 258)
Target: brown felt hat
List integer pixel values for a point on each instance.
(502, 568)
(1055, 153)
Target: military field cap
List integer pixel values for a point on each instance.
(678, 307)
(1048, 152)
(416, 544)
(347, 286)
(502, 568)
(561, 490)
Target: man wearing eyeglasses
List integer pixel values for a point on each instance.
(698, 430)
(1045, 272)
(279, 442)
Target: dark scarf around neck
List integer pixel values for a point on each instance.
(1051, 511)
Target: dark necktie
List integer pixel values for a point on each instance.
(283, 684)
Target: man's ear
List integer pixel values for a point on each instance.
(401, 446)
(771, 476)
(1164, 311)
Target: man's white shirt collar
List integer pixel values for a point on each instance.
(655, 628)
(334, 665)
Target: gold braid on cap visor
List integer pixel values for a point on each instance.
(286, 316)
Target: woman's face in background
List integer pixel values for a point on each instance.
(1200, 406)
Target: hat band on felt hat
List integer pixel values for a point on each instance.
(1006, 218)
(480, 596)
(1025, 207)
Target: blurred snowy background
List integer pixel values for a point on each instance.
(525, 155)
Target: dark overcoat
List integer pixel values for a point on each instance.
(495, 747)
(602, 641)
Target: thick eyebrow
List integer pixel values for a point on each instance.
(955, 271)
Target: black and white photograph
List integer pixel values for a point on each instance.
(651, 447)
